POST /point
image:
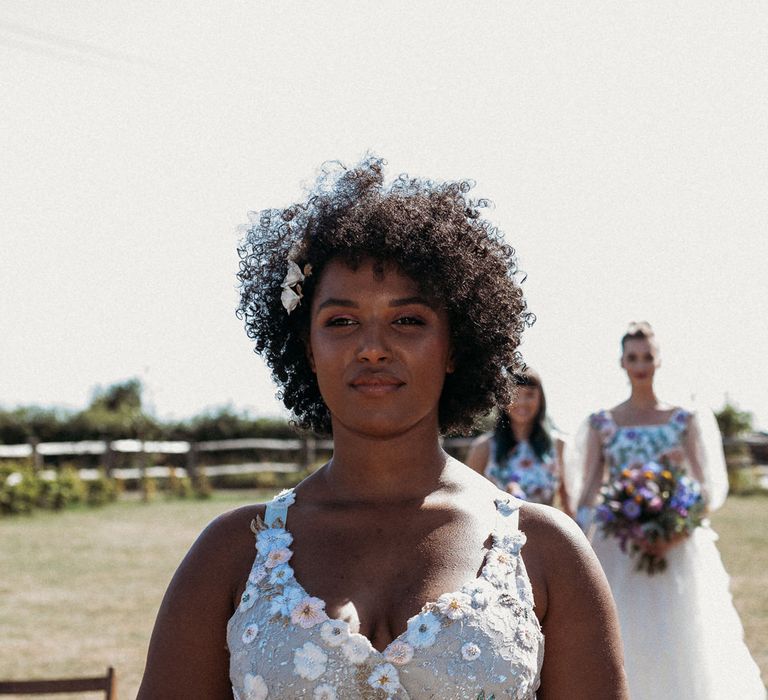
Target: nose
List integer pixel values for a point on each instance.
(374, 347)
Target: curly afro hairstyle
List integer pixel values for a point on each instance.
(431, 231)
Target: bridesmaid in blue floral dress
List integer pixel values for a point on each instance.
(683, 639)
(523, 455)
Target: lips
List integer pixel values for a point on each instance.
(376, 383)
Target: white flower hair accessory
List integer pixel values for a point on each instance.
(291, 285)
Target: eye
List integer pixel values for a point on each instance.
(409, 321)
(340, 321)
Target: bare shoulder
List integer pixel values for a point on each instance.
(618, 411)
(479, 452)
(187, 656)
(560, 561)
(228, 541)
(550, 532)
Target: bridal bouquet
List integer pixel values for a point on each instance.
(648, 504)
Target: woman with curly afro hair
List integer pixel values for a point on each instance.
(394, 571)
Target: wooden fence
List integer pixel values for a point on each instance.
(293, 454)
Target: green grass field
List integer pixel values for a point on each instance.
(79, 589)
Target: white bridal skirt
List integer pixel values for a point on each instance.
(682, 636)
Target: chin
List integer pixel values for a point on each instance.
(379, 427)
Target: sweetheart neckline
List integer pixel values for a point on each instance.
(424, 608)
(500, 503)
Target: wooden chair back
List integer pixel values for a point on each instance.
(106, 683)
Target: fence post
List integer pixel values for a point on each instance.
(147, 492)
(308, 451)
(192, 457)
(37, 458)
(109, 456)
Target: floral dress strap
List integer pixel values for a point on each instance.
(679, 420)
(276, 514)
(507, 514)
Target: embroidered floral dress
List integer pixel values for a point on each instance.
(683, 639)
(534, 479)
(480, 642)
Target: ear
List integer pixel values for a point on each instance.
(450, 365)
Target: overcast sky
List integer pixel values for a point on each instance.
(624, 144)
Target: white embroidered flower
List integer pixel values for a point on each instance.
(309, 661)
(481, 592)
(470, 651)
(334, 632)
(324, 692)
(258, 572)
(281, 574)
(255, 687)
(286, 601)
(399, 652)
(273, 538)
(277, 557)
(500, 619)
(454, 605)
(422, 630)
(357, 648)
(505, 506)
(499, 558)
(250, 632)
(385, 676)
(525, 637)
(309, 612)
(511, 543)
(496, 573)
(248, 598)
(286, 497)
(525, 593)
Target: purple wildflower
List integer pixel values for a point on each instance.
(631, 509)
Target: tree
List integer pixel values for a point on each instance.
(117, 412)
(733, 422)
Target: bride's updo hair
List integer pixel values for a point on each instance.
(434, 233)
(637, 330)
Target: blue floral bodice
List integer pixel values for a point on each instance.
(524, 474)
(624, 445)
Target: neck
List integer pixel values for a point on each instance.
(643, 397)
(407, 466)
(521, 431)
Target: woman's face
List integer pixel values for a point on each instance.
(379, 349)
(640, 359)
(526, 405)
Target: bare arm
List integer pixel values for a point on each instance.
(692, 448)
(188, 657)
(565, 502)
(479, 453)
(583, 655)
(594, 470)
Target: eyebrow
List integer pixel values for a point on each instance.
(349, 304)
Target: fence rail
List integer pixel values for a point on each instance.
(305, 450)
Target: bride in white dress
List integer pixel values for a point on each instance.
(682, 636)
